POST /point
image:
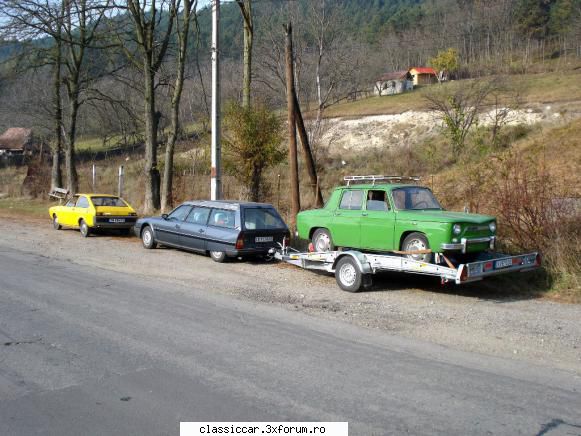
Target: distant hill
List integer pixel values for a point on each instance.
(367, 19)
(371, 20)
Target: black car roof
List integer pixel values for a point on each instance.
(227, 204)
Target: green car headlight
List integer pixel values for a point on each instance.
(457, 229)
(492, 227)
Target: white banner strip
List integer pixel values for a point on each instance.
(260, 428)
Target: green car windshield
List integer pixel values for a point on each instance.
(414, 198)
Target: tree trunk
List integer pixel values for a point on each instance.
(151, 172)
(321, 53)
(70, 165)
(167, 184)
(167, 187)
(293, 163)
(255, 184)
(56, 179)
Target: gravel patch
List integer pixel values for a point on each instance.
(468, 318)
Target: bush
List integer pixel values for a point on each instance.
(535, 213)
(253, 144)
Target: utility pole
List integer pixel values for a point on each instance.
(292, 149)
(216, 171)
(121, 183)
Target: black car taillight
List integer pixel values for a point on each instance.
(240, 242)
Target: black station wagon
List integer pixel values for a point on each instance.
(221, 228)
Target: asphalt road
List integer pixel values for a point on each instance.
(85, 350)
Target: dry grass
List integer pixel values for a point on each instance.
(11, 180)
(25, 207)
(540, 88)
(524, 186)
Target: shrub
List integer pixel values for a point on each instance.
(535, 213)
(253, 144)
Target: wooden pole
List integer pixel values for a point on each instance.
(292, 149)
(310, 161)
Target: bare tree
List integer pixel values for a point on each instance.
(81, 24)
(326, 26)
(458, 109)
(151, 41)
(182, 25)
(28, 21)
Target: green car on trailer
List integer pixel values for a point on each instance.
(394, 214)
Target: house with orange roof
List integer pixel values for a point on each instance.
(423, 75)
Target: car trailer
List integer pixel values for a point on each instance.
(354, 269)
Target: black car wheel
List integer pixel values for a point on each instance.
(417, 242)
(147, 238)
(218, 256)
(55, 223)
(84, 228)
(322, 240)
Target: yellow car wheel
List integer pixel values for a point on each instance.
(55, 223)
(84, 228)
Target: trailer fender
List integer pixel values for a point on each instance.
(359, 258)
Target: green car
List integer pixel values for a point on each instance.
(383, 217)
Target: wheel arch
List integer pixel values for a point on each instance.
(143, 226)
(406, 233)
(90, 221)
(315, 228)
(359, 258)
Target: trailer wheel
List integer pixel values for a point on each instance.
(348, 275)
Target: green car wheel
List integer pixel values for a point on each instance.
(322, 240)
(416, 242)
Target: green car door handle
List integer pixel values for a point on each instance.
(364, 214)
(337, 213)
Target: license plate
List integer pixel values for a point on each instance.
(263, 239)
(116, 220)
(503, 263)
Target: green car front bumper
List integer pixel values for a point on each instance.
(465, 242)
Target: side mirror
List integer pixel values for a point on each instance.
(164, 216)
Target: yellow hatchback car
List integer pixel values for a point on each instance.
(88, 212)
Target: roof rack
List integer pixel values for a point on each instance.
(375, 178)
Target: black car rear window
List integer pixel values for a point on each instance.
(108, 201)
(262, 219)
